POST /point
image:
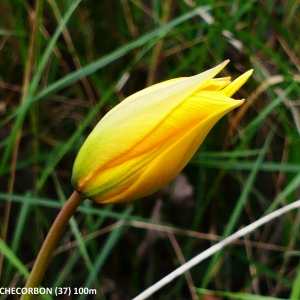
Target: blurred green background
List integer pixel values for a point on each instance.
(64, 64)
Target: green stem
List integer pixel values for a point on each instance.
(52, 239)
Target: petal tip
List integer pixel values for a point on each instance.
(224, 63)
(250, 72)
(240, 101)
(237, 83)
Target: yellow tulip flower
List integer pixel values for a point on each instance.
(146, 140)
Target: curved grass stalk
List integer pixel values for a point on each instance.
(215, 248)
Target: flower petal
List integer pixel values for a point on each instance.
(158, 158)
(133, 120)
(217, 84)
(237, 83)
(146, 140)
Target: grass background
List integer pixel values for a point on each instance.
(64, 64)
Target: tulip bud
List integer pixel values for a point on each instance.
(147, 139)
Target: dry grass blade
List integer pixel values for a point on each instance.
(217, 247)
